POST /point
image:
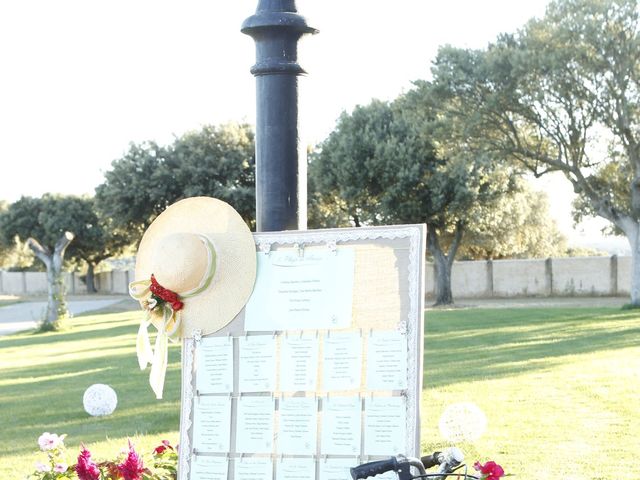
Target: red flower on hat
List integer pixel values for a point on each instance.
(165, 295)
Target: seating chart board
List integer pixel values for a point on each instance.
(322, 369)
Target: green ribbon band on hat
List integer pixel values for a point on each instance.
(170, 324)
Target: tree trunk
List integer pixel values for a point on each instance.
(634, 241)
(444, 295)
(91, 286)
(56, 304)
(443, 262)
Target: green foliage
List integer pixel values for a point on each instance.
(379, 166)
(389, 163)
(17, 257)
(214, 161)
(555, 95)
(517, 226)
(48, 217)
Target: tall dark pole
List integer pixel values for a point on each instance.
(276, 28)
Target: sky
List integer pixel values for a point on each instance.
(81, 80)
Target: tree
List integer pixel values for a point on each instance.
(96, 238)
(380, 166)
(517, 226)
(554, 96)
(40, 222)
(214, 161)
(47, 225)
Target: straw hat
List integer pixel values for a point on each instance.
(191, 240)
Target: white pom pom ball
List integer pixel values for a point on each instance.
(462, 421)
(99, 400)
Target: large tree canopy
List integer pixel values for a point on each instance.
(214, 161)
(380, 166)
(562, 94)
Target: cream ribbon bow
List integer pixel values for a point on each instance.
(169, 326)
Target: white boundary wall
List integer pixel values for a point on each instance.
(576, 276)
(35, 283)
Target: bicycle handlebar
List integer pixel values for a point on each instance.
(374, 468)
(448, 461)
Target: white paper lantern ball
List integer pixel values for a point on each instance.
(463, 421)
(99, 400)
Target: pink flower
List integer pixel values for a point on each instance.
(490, 470)
(60, 467)
(86, 469)
(132, 468)
(42, 467)
(50, 441)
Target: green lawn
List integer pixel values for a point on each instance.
(43, 378)
(560, 389)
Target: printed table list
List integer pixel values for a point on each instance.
(212, 424)
(209, 468)
(257, 369)
(342, 361)
(299, 363)
(387, 361)
(254, 429)
(215, 365)
(297, 431)
(385, 425)
(341, 422)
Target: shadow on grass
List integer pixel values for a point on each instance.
(468, 345)
(43, 379)
(49, 398)
(109, 325)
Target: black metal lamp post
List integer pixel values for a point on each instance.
(276, 28)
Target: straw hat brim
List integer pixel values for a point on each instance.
(235, 274)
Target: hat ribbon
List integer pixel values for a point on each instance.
(171, 320)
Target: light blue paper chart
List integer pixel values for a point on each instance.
(212, 424)
(214, 372)
(341, 426)
(387, 361)
(297, 292)
(253, 469)
(385, 425)
(296, 469)
(342, 361)
(298, 363)
(337, 468)
(257, 364)
(209, 468)
(297, 431)
(254, 432)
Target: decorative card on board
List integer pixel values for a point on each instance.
(321, 370)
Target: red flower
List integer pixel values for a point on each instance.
(132, 468)
(490, 470)
(165, 294)
(161, 448)
(86, 469)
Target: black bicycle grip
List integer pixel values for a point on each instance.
(374, 468)
(431, 460)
